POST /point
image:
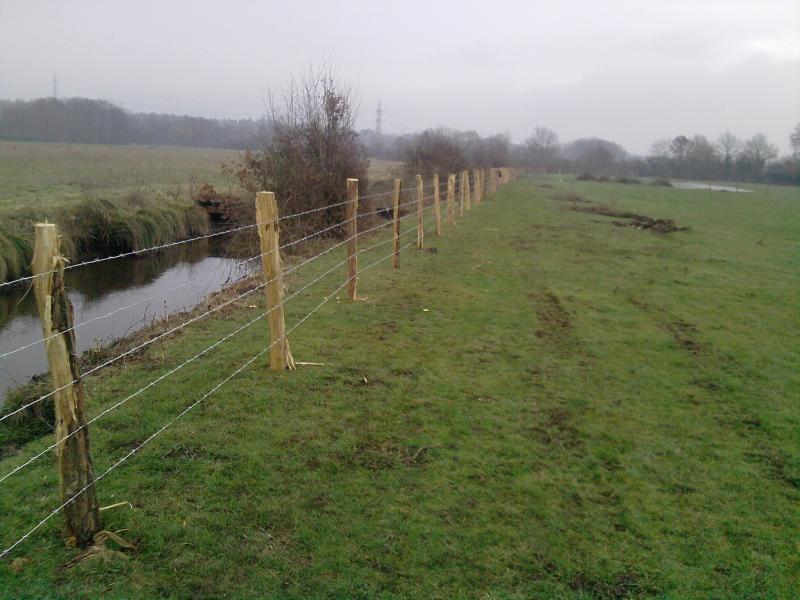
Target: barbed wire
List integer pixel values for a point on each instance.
(190, 360)
(239, 265)
(95, 261)
(167, 245)
(164, 427)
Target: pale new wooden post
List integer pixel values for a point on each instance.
(451, 194)
(420, 213)
(73, 455)
(351, 214)
(396, 224)
(280, 357)
(461, 196)
(467, 193)
(436, 207)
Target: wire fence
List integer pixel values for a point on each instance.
(484, 183)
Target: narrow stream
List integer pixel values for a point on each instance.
(198, 268)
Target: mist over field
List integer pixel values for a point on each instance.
(625, 70)
(400, 300)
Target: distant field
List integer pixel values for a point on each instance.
(149, 189)
(37, 175)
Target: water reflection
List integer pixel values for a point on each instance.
(197, 270)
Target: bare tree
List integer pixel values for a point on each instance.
(702, 157)
(658, 160)
(729, 146)
(434, 151)
(310, 149)
(756, 153)
(543, 146)
(794, 141)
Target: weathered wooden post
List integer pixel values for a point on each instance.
(280, 357)
(73, 452)
(420, 213)
(451, 193)
(351, 214)
(396, 224)
(436, 206)
(476, 177)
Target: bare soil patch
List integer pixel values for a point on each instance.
(681, 332)
(572, 197)
(635, 221)
(552, 314)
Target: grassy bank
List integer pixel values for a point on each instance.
(97, 227)
(106, 199)
(549, 405)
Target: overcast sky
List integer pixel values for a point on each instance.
(627, 70)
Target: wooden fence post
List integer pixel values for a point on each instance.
(436, 207)
(351, 214)
(280, 357)
(468, 193)
(451, 193)
(461, 195)
(396, 223)
(420, 213)
(73, 453)
(477, 179)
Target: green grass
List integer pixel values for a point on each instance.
(548, 406)
(39, 176)
(133, 194)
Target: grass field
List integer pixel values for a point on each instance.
(107, 199)
(547, 406)
(38, 176)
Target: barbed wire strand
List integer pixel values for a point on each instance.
(176, 243)
(177, 327)
(185, 363)
(95, 261)
(188, 408)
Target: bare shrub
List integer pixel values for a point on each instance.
(434, 151)
(307, 153)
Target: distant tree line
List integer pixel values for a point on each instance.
(442, 150)
(82, 120)
(728, 158)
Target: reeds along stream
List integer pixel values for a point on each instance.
(200, 268)
(98, 227)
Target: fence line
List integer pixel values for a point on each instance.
(239, 265)
(177, 243)
(485, 183)
(193, 358)
(191, 406)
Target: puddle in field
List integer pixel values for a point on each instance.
(697, 185)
